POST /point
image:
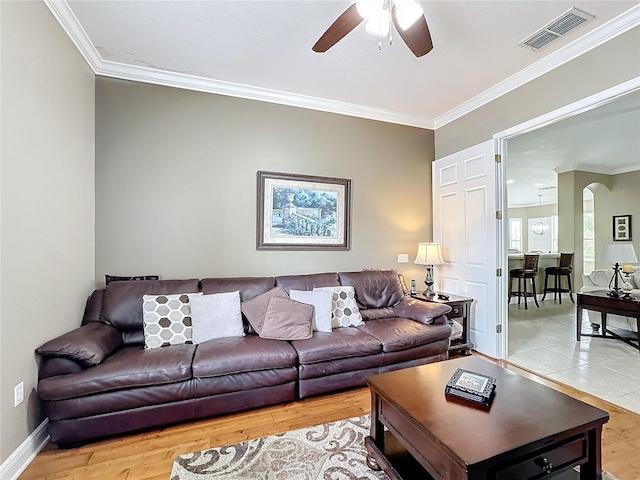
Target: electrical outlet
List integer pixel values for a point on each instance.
(18, 394)
(403, 258)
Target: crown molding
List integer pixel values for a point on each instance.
(203, 84)
(69, 22)
(617, 26)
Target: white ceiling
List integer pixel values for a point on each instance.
(602, 140)
(261, 49)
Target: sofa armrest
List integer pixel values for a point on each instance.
(87, 345)
(421, 311)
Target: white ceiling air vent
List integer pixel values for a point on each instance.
(561, 25)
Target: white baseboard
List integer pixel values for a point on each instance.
(20, 459)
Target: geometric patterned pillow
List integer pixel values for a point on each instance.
(345, 311)
(167, 319)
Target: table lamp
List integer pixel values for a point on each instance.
(617, 253)
(429, 254)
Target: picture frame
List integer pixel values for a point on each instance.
(622, 228)
(303, 212)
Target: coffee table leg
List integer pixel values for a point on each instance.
(377, 431)
(592, 470)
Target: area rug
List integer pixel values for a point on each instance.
(330, 451)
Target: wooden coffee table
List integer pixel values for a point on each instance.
(530, 431)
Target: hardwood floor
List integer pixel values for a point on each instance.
(149, 456)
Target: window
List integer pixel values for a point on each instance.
(588, 242)
(515, 234)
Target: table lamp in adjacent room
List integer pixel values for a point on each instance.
(617, 253)
(429, 254)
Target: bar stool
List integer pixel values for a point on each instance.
(564, 269)
(528, 272)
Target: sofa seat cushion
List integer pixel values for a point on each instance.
(340, 343)
(397, 334)
(131, 367)
(226, 356)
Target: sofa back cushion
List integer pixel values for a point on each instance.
(93, 309)
(123, 300)
(307, 282)
(249, 287)
(374, 288)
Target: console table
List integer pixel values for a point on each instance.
(461, 313)
(600, 301)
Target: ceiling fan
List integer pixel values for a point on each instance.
(407, 17)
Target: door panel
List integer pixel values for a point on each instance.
(465, 225)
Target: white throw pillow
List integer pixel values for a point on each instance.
(216, 316)
(601, 278)
(344, 307)
(167, 319)
(322, 303)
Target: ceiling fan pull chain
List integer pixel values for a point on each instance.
(379, 42)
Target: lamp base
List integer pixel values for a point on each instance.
(428, 281)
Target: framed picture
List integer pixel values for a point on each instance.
(301, 212)
(622, 228)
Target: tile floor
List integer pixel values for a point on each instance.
(543, 340)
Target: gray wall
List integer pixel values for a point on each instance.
(613, 195)
(606, 66)
(46, 198)
(176, 183)
(621, 198)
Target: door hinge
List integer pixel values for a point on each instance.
(498, 215)
(498, 158)
(498, 272)
(498, 328)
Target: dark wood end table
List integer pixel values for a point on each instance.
(600, 301)
(531, 431)
(461, 313)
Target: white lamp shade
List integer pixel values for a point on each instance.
(429, 254)
(618, 253)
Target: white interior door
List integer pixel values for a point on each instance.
(464, 223)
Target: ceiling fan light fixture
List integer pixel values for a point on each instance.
(369, 8)
(379, 24)
(407, 13)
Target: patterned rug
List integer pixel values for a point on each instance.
(329, 451)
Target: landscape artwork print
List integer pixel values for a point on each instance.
(301, 212)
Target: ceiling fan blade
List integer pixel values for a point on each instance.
(346, 22)
(417, 36)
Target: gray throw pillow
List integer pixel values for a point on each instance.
(167, 319)
(216, 316)
(287, 319)
(344, 307)
(321, 301)
(256, 308)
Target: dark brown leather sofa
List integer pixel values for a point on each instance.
(98, 380)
